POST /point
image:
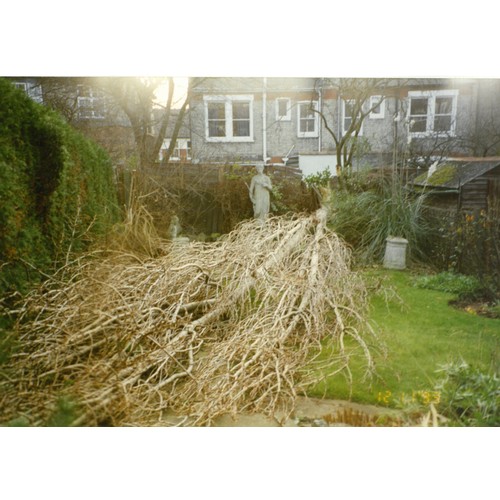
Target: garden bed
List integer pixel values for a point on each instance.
(485, 308)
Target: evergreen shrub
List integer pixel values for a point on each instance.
(57, 192)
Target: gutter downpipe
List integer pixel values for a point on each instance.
(320, 106)
(338, 168)
(264, 120)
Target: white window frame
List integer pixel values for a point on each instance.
(228, 101)
(94, 105)
(180, 143)
(288, 116)
(344, 130)
(313, 133)
(431, 96)
(21, 85)
(374, 99)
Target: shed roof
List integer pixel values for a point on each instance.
(455, 172)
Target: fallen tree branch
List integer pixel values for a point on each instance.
(201, 329)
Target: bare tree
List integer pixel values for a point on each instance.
(128, 101)
(61, 94)
(135, 96)
(356, 94)
(483, 139)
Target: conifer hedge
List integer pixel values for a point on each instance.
(57, 191)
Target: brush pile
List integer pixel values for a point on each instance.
(202, 329)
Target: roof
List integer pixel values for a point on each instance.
(455, 172)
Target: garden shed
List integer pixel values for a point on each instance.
(468, 184)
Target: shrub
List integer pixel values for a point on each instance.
(322, 178)
(57, 191)
(449, 282)
(468, 243)
(469, 397)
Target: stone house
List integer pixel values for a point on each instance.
(273, 120)
(85, 107)
(283, 120)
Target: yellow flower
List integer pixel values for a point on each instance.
(384, 397)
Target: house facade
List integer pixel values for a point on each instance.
(86, 107)
(31, 87)
(300, 121)
(273, 119)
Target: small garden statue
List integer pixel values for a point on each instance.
(260, 193)
(174, 228)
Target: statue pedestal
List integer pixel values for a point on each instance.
(395, 253)
(180, 240)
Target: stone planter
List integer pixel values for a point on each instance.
(395, 253)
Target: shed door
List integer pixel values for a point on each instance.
(493, 194)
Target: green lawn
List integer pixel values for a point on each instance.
(420, 332)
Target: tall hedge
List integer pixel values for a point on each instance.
(56, 189)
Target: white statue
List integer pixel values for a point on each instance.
(174, 228)
(260, 193)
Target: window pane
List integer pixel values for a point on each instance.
(307, 118)
(241, 110)
(216, 129)
(348, 110)
(307, 125)
(306, 112)
(216, 111)
(348, 107)
(282, 107)
(444, 105)
(418, 106)
(84, 102)
(377, 102)
(442, 124)
(216, 119)
(418, 114)
(241, 128)
(241, 119)
(418, 124)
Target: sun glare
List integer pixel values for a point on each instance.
(180, 90)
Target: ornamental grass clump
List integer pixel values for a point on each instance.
(199, 329)
(365, 219)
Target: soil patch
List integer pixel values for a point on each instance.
(479, 308)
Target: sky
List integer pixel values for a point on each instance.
(364, 38)
(180, 90)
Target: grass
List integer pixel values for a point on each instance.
(421, 332)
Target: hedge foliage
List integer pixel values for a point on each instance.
(57, 191)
